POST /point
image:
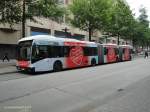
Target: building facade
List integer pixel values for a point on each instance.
(10, 36)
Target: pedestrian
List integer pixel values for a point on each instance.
(5, 57)
(146, 54)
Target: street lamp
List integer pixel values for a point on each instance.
(66, 31)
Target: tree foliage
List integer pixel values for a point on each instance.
(121, 20)
(46, 8)
(112, 17)
(89, 15)
(143, 18)
(11, 11)
(142, 29)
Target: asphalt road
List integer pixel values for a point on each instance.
(118, 87)
(12, 76)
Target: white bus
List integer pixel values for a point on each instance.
(47, 53)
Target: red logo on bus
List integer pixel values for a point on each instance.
(76, 55)
(111, 54)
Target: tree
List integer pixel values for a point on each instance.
(89, 15)
(143, 17)
(120, 20)
(45, 8)
(144, 25)
(148, 38)
(10, 11)
(139, 31)
(16, 11)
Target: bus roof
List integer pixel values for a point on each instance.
(40, 37)
(52, 38)
(110, 44)
(125, 46)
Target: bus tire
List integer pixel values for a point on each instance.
(93, 62)
(57, 66)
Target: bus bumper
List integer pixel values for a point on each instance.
(28, 69)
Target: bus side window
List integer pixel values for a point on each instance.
(123, 50)
(43, 52)
(95, 51)
(66, 50)
(58, 51)
(116, 51)
(90, 51)
(86, 51)
(39, 52)
(105, 51)
(34, 53)
(131, 51)
(55, 51)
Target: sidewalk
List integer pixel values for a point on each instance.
(7, 67)
(11, 62)
(138, 56)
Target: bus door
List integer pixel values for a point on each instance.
(126, 53)
(110, 54)
(120, 54)
(105, 50)
(40, 58)
(100, 54)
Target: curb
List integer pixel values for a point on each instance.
(8, 69)
(4, 73)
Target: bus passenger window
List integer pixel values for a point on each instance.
(105, 51)
(39, 52)
(59, 51)
(116, 51)
(123, 50)
(66, 51)
(131, 51)
(42, 52)
(86, 51)
(90, 51)
(94, 51)
(55, 51)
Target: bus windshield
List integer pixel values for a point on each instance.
(24, 50)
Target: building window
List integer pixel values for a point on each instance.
(39, 31)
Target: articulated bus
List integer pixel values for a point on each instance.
(48, 53)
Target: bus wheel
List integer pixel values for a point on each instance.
(57, 66)
(93, 62)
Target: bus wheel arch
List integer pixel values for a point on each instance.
(57, 66)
